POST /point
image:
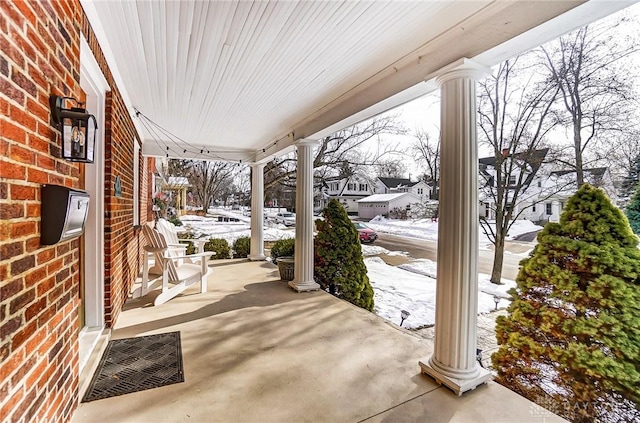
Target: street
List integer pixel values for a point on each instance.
(421, 248)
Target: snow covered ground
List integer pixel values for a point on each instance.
(410, 287)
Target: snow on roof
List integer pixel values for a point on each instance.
(178, 181)
(379, 198)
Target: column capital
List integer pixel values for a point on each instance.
(463, 68)
(304, 142)
(257, 165)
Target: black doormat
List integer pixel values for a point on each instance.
(135, 364)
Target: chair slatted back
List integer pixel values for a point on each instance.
(156, 240)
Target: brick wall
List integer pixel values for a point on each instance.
(39, 285)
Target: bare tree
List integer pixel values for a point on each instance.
(392, 168)
(209, 179)
(515, 115)
(595, 93)
(337, 155)
(427, 149)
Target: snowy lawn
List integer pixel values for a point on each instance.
(410, 286)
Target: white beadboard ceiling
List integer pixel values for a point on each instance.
(234, 78)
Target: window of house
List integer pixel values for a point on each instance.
(533, 208)
(539, 184)
(512, 179)
(333, 186)
(351, 186)
(420, 191)
(548, 209)
(363, 187)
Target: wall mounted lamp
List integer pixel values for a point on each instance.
(77, 127)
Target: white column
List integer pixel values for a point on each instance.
(453, 362)
(257, 210)
(303, 273)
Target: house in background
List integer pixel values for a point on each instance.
(394, 205)
(386, 185)
(524, 169)
(552, 191)
(348, 191)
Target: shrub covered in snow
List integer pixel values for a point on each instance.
(572, 335)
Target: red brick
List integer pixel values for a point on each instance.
(38, 110)
(34, 277)
(23, 45)
(10, 406)
(45, 162)
(22, 265)
(34, 309)
(4, 273)
(21, 301)
(40, 142)
(45, 286)
(20, 410)
(12, 132)
(22, 117)
(10, 90)
(11, 170)
(4, 189)
(20, 337)
(11, 51)
(24, 82)
(8, 251)
(10, 327)
(11, 211)
(37, 176)
(21, 229)
(26, 10)
(33, 210)
(9, 289)
(13, 14)
(22, 155)
(23, 192)
(46, 255)
(33, 243)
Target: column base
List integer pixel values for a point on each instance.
(256, 257)
(458, 386)
(304, 286)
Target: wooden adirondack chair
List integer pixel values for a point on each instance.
(177, 275)
(167, 229)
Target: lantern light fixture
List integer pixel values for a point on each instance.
(77, 127)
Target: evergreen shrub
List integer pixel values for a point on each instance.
(241, 247)
(571, 338)
(220, 246)
(633, 211)
(283, 248)
(338, 264)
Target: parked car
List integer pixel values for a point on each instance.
(286, 218)
(366, 233)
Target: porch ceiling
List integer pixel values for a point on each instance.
(236, 77)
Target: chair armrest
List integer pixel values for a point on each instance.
(151, 249)
(196, 255)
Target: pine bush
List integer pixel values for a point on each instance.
(282, 248)
(633, 211)
(241, 247)
(220, 246)
(338, 264)
(572, 333)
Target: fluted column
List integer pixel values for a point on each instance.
(257, 211)
(453, 362)
(303, 272)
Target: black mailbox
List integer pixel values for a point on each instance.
(64, 212)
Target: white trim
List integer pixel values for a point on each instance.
(136, 183)
(95, 86)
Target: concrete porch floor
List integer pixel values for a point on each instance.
(256, 351)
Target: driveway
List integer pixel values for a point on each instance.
(421, 248)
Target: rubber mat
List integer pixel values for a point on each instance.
(136, 364)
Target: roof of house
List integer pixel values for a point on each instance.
(381, 198)
(395, 182)
(596, 171)
(533, 159)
